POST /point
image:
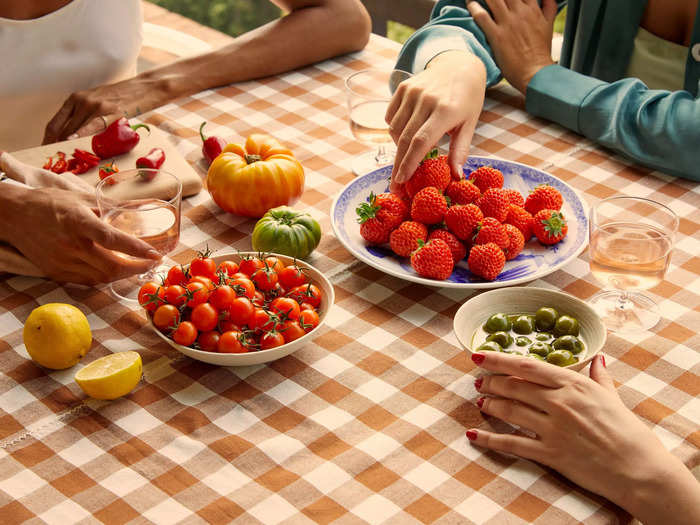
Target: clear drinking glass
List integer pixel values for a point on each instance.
(369, 92)
(144, 203)
(630, 244)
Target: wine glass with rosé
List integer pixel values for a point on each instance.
(144, 203)
(369, 92)
(630, 245)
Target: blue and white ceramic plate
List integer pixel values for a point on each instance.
(534, 262)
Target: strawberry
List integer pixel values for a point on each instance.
(549, 226)
(521, 219)
(428, 206)
(514, 197)
(494, 203)
(516, 242)
(490, 230)
(486, 177)
(433, 260)
(461, 219)
(543, 197)
(432, 171)
(388, 208)
(374, 231)
(486, 260)
(459, 251)
(462, 192)
(404, 239)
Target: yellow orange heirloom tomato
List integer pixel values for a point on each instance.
(250, 179)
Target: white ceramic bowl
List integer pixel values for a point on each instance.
(263, 356)
(474, 313)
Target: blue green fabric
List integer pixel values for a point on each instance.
(587, 92)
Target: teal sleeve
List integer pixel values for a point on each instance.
(451, 27)
(657, 128)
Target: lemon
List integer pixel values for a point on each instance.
(57, 335)
(111, 376)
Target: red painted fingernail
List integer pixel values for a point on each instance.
(471, 435)
(602, 360)
(478, 358)
(477, 382)
(480, 402)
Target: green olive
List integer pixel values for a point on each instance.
(513, 317)
(535, 356)
(524, 324)
(568, 342)
(545, 318)
(540, 348)
(502, 338)
(522, 341)
(544, 336)
(497, 323)
(566, 325)
(561, 358)
(490, 346)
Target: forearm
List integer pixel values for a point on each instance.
(306, 35)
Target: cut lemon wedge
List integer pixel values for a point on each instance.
(111, 376)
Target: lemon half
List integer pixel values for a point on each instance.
(111, 376)
(57, 335)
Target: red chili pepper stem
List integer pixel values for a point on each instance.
(137, 126)
(201, 131)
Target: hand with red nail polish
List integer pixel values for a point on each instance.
(584, 431)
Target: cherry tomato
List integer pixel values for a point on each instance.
(175, 295)
(198, 294)
(151, 296)
(241, 311)
(227, 326)
(271, 339)
(166, 317)
(206, 281)
(308, 293)
(185, 334)
(205, 317)
(309, 319)
(273, 263)
(291, 330)
(287, 307)
(203, 265)
(222, 297)
(244, 287)
(228, 267)
(177, 275)
(262, 320)
(307, 306)
(208, 341)
(259, 299)
(265, 279)
(291, 276)
(239, 275)
(230, 343)
(277, 291)
(250, 266)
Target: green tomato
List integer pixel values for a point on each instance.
(286, 231)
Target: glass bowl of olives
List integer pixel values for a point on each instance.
(537, 323)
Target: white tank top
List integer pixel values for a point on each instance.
(84, 44)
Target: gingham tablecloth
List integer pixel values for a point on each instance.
(366, 423)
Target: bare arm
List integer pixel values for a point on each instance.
(313, 30)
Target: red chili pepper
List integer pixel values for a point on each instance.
(152, 161)
(212, 146)
(49, 162)
(106, 171)
(119, 137)
(86, 156)
(61, 164)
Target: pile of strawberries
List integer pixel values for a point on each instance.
(441, 221)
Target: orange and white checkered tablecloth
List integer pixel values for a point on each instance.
(366, 423)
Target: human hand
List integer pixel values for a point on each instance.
(520, 35)
(584, 431)
(447, 97)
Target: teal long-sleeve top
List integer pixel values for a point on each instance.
(587, 92)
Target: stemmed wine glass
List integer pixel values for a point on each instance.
(144, 203)
(631, 240)
(369, 92)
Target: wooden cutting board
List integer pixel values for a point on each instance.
(174, 162)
